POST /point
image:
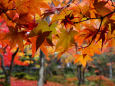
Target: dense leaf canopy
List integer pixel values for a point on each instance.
(86, 25)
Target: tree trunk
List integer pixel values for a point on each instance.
(110, 70)
(83, 76)
(7, 80)
(7, 77)
(80, 75)
(8, 72)
(41, 71)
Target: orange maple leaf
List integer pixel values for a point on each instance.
(13, 38)
(26, 6)
(40, 42)
(83, 59)
(100, 7)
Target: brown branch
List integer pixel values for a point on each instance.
(4, 10)
(98, 29)
(95, 18)
(76, 47)
(8, 17)
(12, 9)
(85, 20)
(12, 61)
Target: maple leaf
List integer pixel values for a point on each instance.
(14, 37)
(68, 20)
(41, 38)
(112, 22)
(33, 42)
(6, 4)
(26, 6)
(66, 39)
(43, 30)
(44, 50)
(102, 36)
(30, 25)
(92, 49)
(24, 18)
(106, 27)
(109, 42)
(87, 33)
(42, 27)
(21, 13)
(43, 33)
(61, 15)
(81, 8)
(100, 7)
(55, 8)
(83, 59)
(39, 41)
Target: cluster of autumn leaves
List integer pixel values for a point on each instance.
(85, 25)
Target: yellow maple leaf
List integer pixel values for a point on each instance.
(83, 59)
(42, 27)
(61, 15)
(92, 49)
(66, 39)
(41, 36)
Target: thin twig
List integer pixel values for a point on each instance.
(85, 20)
(98, 29)
(8, 17)
(94, 35)
(95, 18)
(12, 9)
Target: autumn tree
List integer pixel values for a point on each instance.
(7, 59)
(84, 25)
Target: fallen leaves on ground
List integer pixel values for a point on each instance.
(103, 80)
(21, 82)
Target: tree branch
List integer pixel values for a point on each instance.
(12, 61)
(95, 18)
(2, 64)
(85, 20)
(94, 35)
(98, 29)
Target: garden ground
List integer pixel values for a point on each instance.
(22, 82)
